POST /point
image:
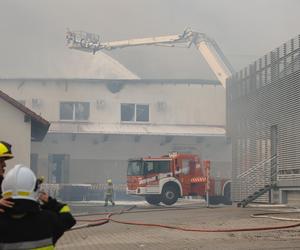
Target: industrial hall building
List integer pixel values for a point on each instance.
(98, 124)
(263, 122)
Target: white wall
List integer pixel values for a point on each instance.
(189, 104)
(16, 132)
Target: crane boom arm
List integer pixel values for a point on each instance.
(141, 41)
(216, 60)
(208, 48)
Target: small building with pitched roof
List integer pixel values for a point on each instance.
(20, 126)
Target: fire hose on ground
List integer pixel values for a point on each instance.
(109, 215)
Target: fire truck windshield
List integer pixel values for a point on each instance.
(135, 168)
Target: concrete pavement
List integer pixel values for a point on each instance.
(196, 215)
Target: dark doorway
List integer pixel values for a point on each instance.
(34, 163)
(58, 168)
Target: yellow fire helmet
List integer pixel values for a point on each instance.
(5, 150)
(20, 183)
(109, 181)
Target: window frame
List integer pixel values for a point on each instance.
(157, 166)
(74, 110)
(134, 120)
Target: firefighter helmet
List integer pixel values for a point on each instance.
(109, 181)
(20, 183)
(5, 150)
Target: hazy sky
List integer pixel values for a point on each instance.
(33, 35)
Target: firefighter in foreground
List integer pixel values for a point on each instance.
(109, 193)
(26, 225)
(5, 154)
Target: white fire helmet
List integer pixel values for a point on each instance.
(20, 183)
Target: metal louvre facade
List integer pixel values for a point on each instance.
(263, 121)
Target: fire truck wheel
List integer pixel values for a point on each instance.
(169, 195)
(153, 199)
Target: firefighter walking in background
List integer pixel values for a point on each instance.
(109, 193)
(26, 225)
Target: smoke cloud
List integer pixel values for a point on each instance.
(33, 35)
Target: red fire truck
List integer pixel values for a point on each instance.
(166, 178)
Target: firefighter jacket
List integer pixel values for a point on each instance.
(1, 179)
(29, 226)
(109, 190)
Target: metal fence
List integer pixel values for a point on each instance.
(85, 192)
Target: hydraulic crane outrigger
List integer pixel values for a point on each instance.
(208, 47)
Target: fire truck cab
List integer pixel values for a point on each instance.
(166, 178)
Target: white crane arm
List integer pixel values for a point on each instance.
(216, 60)
(208, 48)
(84, 41)
(141, 41)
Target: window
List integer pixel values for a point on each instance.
(156, 167)
(162, 166)
(142, 113)
(74, 111)
(186, 167)
(127, 112)
(131, 112)
(134, 168)
(149, 168)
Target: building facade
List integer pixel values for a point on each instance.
(20, 127)
(97, 125)
(263, 113)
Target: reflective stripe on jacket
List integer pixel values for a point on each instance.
(29, 226)
(109, 190)
(38, 244)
